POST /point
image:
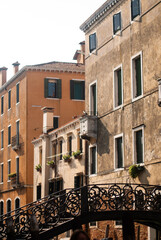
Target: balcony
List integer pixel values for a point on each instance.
(15, 143)
(14, 177)
(88, 127)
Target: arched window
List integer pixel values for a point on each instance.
(9, 207)
(1, 208)
(17, 206)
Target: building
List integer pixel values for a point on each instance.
(57, 85)
(122, 75)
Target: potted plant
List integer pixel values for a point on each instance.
(38, 167)
(12, 177)
(51, 163)
(67, 158)
(134, 170)
(77, 154)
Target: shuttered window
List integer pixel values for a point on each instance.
(117, 22)
(139, 147)
(137, 76)
(9, 99)
(70, 145)
(55, 186)
(77, 90)
(9, 168)
(1, 177)
(135, 8)
(118, 87)
(17, 169)
(17, 93)
(52, 88)
(9, 135)
(2, 104)
(78, 181)
(18, 132)
(92, 42)
(118, 152)
(2, 139)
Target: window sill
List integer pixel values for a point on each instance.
(9, 109)
(118, 107)
(9, 145)
(137, 98)
(17, 103)
(93, 175)
(78, 100)
(2, 114)
(118, 33)
(136, 19)
(118, 169)
(9, 181)
(53, 98)
(2, 149)
(1, 183)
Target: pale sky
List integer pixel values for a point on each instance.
(38, 31)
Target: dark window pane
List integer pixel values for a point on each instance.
(138, 77)
(92, 42)
(9, 99)
(93, 160)
(55, 122)
(51, 187)
(17, 205)
(9, 207)
(38, 192)
(77, 89)
(17, 131)
(1, 208)
(59, 185)
(119, 153)
(2, 103)
(52, 89)
(116, 22)
(119, 84)
(139, 147)
(94, 100)
(17, 170)
(9, 135)
(60, 149)
(135, 8)
(17, 93)
(70, 145)
(78, 181)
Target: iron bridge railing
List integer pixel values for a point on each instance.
(52, 210)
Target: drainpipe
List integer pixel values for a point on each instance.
(86, 174)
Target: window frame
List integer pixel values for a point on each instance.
(72, 81)
(91, 104)
(133, 18)
(133, 78)
(2, 139)
(8, 169)
(81, 180)
(90, 156)
(135, 161)
(58, 82)
(115, 152)
(18, 93)
(9, 99)
(9, 133)
(91, 50)
(115, 86)
(120, 19)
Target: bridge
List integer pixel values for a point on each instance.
(71, 208)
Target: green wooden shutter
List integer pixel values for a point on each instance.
(119, 153)
(138, 77)
(45, 87)
(119, 87)
(72, 89)
(139, 147)
(58, 89)
(83, 97)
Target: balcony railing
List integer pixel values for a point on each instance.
(15, 181)
(15, 143)
(88, 127)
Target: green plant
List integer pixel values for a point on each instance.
(38, 167)
(77, 154)
(51, 163)
(12, 175)
(135, 169)
(66, 157)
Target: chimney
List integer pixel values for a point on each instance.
(47, 119)
(80, 54)
(3, 76)
(16, 67)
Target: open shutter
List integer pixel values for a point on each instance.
(45, 87)
(72, 89)
(58, 88)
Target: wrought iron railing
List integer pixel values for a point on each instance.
(52, 210)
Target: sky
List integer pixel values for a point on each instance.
(39, 31)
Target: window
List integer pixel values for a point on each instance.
(118, 87)
(1, 208)
(77, 89)
(93, 224)
(118, 151)
(118, 223)
(138, 145)
(9, 135)
(9, 99)
(2, 105)
(9, 169)
(55, 122)
(137, 76)
(40, 156)
(93, 99)
(52, 88)
(69, 146)
(55, 186)
(79, 142)
(54, 150)
(2, 138)
(135, 8)
(17, 206)
(116, 22)
(17, 169)
(9, 207)
(1, 177)
(39, 192)
(93, 160)
(18, 132)
(17, 93)
(92, 42)
(60, 149)
(78, 181)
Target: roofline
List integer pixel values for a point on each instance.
(98, 15)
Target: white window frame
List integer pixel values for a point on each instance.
(90, 96)
(91, 146)
(115, 93)
(8, 169)
(115, 152)
(137, 18)
(80, 80)
(134, 146)
(118, 33)
(133, 80)
(1, 164)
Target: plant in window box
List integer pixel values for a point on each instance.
(67, 158)
(134, 170)
(38, 167)
(12, 177)
(77, 154)
(51, 163)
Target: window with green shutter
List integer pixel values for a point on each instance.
(77, 90)
(137, 76)
(92, 42)
(52, 88)
(116, 22)
(135, 8)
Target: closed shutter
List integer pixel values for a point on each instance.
(119, 153)
(92, 42)
(138, 77)
(139, 147)
(135, 8)
(58, 89)
(72, 89)
(45, 87)
(119, 87)
(38, 192)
